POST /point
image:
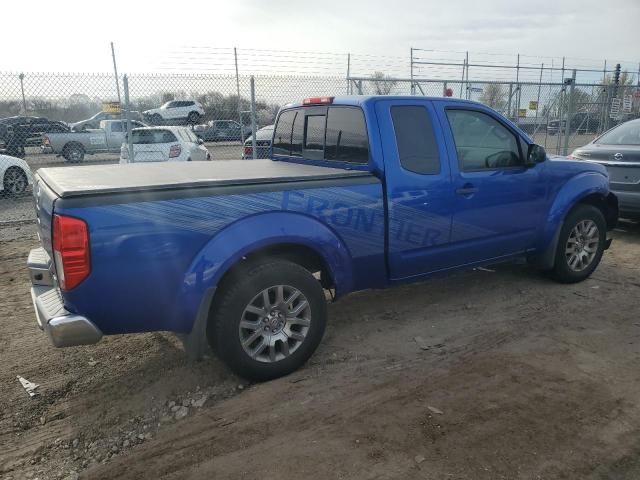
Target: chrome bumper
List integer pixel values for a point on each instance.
(65, 329)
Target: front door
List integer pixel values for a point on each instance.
(419, 197)
(498, 199)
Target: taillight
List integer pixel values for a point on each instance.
(45, 141)
(248, 150)
(70, 250)
(174, 151)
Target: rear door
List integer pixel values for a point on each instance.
(115, 133)
(498, 201)
(419, 194)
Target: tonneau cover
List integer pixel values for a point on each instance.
(68, 182)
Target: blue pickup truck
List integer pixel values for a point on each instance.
(359, 193)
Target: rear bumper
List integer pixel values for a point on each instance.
(65, 329)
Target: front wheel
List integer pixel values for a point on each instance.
(193, 118)
(268, 320)
(15, 182)
(580, 245)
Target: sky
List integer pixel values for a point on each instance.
(160, 35)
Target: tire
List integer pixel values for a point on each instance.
(156, 119)
(580, 248)
(73, 153)
(15, 182)
(193, 118)
(283, 342)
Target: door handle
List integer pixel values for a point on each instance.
(467, 189)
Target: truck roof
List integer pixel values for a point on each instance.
(360, 100)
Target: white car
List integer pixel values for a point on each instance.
(15, 175)
(164, 144)
(188, 110)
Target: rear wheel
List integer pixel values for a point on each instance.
(268, 320)
(15, 182)
(73, 153)
(580, 245)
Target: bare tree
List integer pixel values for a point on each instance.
(382, 84)
(494, 96)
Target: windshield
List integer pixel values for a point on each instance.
(625, 134)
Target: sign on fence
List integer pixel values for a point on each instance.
(615, 108)
(111, 107)
(627, 101)
(522, 112)
(533, 105)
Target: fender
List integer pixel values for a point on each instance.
(571, 193)
(250, 234)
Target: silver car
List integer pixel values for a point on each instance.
(619, 150)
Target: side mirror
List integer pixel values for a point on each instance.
(200, 141)
(536, 154)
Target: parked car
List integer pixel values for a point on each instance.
(619, 151)
(94, 122)
(73, 146)
(184, 110)
(580, 123)
(16, 133)
(15, 174)
(164, 144)
(221, 130)
(239, 254)
(263, 143)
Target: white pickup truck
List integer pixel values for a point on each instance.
(73, 146)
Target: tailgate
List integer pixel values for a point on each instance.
(44, 198)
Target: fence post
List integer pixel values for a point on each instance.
(411, 73)
(466, 61)
(567, 130)
(127, 107)
(518, 91)
(235, 57)
(348, 71)
(509, 103)
(464, 66)
(535, 126)
(253, 119)
(24, 100)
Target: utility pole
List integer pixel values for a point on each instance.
(115, 70)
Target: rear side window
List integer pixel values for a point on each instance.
(417, 146)
(116, 127)
(149, 137)
(346, 139)
(314, 132)
(298, 134)
(282, 136)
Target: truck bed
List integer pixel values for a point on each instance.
(105, 179)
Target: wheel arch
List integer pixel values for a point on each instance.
(589, 188)
(292, 236)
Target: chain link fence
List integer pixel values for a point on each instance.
(43, 115)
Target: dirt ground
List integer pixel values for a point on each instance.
(512, 376)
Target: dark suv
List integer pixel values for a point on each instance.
(16, 133)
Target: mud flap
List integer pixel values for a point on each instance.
(195, 343)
